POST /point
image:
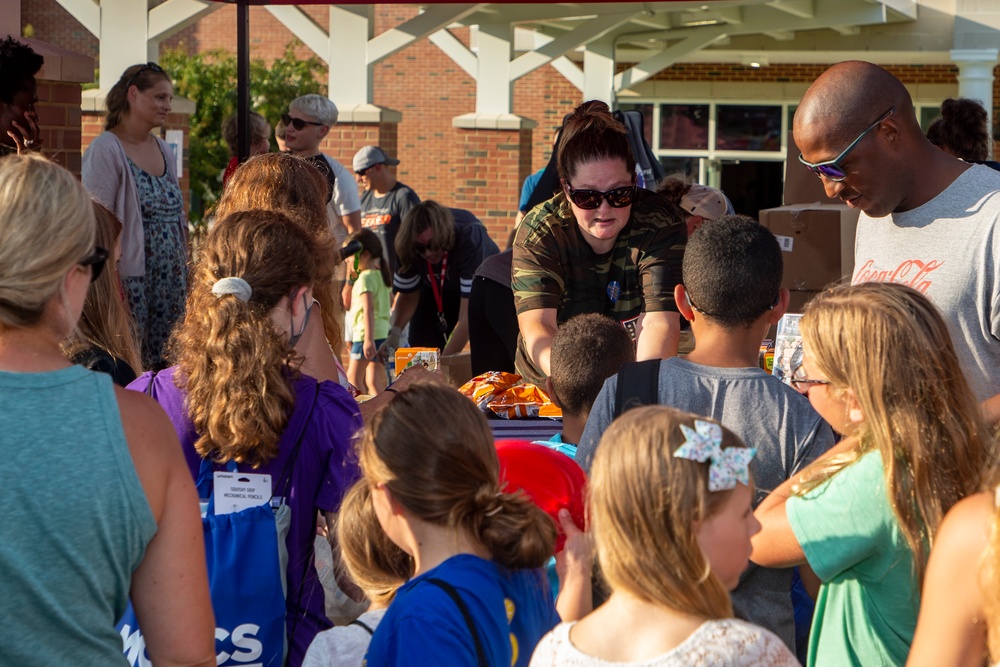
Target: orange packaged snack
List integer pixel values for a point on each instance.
(483, 388)
(524, 400)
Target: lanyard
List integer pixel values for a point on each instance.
(438, 286)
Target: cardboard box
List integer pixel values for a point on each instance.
(457, 368)
(801, 185)
(817, 240)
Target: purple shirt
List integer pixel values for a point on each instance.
(326, 467)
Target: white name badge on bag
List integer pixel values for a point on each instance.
(237, 491)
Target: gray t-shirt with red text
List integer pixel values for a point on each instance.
(948, 250)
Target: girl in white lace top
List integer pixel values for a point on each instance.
(670, 515)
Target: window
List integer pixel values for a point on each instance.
(684, 126)
(748, 128)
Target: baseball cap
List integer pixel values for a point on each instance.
(370, 156)
(705, 201)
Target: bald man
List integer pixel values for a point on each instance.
(928, 220)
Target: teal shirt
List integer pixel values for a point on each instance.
(867, 607)
(371, 281)
(75, 524)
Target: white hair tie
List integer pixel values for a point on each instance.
(236, 286)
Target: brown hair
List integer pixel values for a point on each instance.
(46, 227)
(290, 185)
(142, 77)
(962, 129)
(673, 188)
(427, 214)
(586, 351)
(106, 321)
(644, 506)
(233, 363)
(591, 133)
(433, 450)
(371, 559)
(260, 130)
(890, 347)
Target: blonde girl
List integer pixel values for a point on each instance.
(477, 595)
(879, 366)
(376, 565)
(669, 503)
(369, 312)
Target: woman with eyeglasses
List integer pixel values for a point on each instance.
(237, 394)
(879, 366)
(98, 505)
(134, 174)
(438, 251)
(602, 245)
(104, 339)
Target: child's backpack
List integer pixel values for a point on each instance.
(638, 385)
(247, 560)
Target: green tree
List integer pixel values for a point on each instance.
(209, 80)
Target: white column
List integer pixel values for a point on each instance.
(599, 71)
(975, 75)
(350, 75)
(124, 39)
(494, 89)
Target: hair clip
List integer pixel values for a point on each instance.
(236, 286)
(728, 466)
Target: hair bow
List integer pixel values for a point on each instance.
(728, 466)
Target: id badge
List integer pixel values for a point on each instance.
(237, 491)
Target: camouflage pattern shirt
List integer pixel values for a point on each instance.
(555, 267)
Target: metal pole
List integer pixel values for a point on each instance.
(243, 79)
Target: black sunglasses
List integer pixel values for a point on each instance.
(297, 123)
(95, 261)
(591, 199)
(365, 170)
(831, 169)
(152, 67)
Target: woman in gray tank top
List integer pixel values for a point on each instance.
(99, 506)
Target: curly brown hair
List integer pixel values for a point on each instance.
(290, 185)
(233, 364)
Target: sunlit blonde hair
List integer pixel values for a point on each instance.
(233, 362)
(890, 347)
(644, 506)
(371, 559)
(432, 448)
(46, 227)
(290, 185)
(106, 322)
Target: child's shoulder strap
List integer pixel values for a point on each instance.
(363, 626)
(467, 615)
(638, 384)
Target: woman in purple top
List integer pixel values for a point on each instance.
(234, 394)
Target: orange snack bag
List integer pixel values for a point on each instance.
(483, 388)
(524, 400)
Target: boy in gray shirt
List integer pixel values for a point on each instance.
(731, 293)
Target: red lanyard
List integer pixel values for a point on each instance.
(438, 288)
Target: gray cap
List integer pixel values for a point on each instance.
(370, 156)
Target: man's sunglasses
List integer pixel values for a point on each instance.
(152, 67)
(364, 171)
(831, 169)
(591, 199)
(95, 261)
(297, 123)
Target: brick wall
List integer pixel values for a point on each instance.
(59, 121)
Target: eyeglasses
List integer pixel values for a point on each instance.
(364, 171)
(96, 262)
(153, 67)
(591, 199)
(297, 123)
(797, 374)
(831, 169)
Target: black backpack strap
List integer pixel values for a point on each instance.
(467, 615)
(363, 626)
(638, 384)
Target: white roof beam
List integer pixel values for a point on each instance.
(585, 32)
(87, 12)
(174, 15)
(804, 9)
(846, 30)
(302, 26)
(647, 68)
(436, 17)
(460, 54)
